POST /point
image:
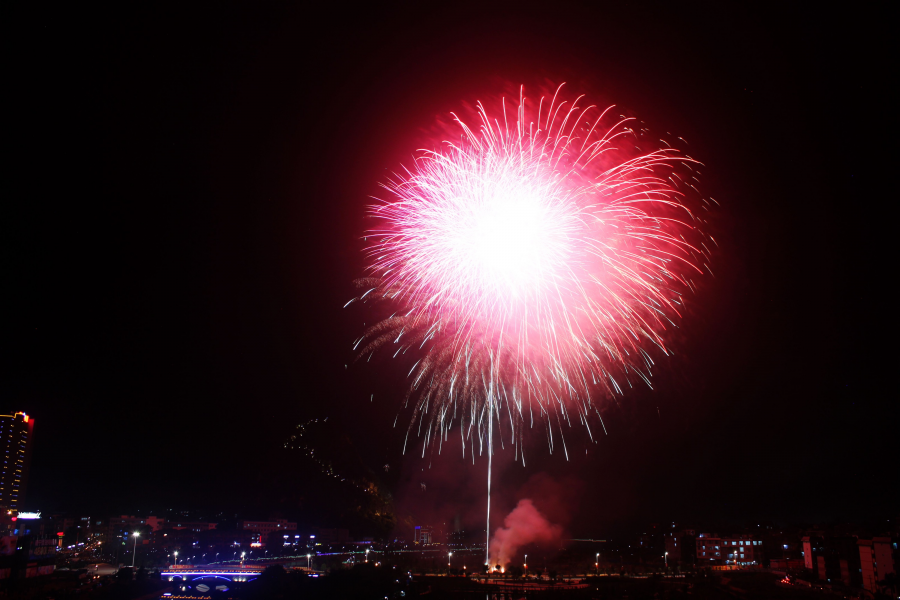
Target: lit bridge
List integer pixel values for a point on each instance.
(213, 575)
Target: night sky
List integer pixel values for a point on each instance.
(183, 217)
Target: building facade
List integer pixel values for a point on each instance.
(260, 530)
(743, 550)
(196, 526)
(680, 547)
(332, 536)
(292, 541)
(739, 550)
(121, 528)
(16, 431)
(812, 547)
(424, 535)
(832, 558)
(877, 560)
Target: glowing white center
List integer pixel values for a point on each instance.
(508, 241)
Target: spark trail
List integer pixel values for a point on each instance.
(537, 261)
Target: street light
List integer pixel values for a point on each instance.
(307, 561)
(449, 554)
(526, 565)
(597, 564)
(367, 555)
(176, 558)
(243, 554)
(667, 561)
(136, 534)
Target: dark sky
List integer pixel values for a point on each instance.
(183, 212)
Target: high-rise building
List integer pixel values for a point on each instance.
(424, 535)
(877, 561)
(15, 451)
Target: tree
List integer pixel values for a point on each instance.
(272, 581)
(890, 582)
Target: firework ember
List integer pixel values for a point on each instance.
(537, 261)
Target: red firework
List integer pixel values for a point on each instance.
(531, 263)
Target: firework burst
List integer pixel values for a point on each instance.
(537, 261)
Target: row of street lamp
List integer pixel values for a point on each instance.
(137, 534)
(597, 563)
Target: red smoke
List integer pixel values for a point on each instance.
(524, 525)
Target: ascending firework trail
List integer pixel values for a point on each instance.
(537, 261)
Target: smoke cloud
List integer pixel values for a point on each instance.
(524, 525)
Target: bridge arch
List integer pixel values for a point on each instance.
(188, 576)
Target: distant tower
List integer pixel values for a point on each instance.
(424, 535)
(15, 452)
